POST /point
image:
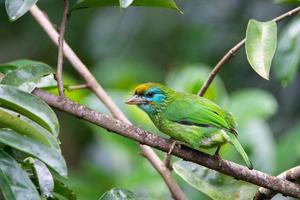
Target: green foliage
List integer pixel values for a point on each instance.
(261, 41)
(287, 60)
(125, 3)
(288, 1)
(17, 8)
(118, 194)
(14, 181)
(28, 77)
(134, 47)
(28, 134)
(29, 106)
(45, 179)
(214, 184)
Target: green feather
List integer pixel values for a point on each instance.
(193, 120)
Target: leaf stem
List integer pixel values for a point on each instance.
(231, 53)
(60, 58)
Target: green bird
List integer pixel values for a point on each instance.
(188, 118)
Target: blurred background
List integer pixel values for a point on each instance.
(124, 48)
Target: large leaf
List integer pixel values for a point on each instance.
(10, 66)
(17, 8)
(214, 184)
(118, 194)
(16, 123)
(125, 3)
(44, 177)
(261, 41)
(27, 77)
(14, 182)
(30, 106)
(50, 156)
(287, 59)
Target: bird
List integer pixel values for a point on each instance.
(190, 119)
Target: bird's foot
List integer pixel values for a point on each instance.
(217, 155)
(168, 157)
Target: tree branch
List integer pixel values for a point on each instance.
(230, 54)
(60, 58)
(290, 175)
(229, 168)
(107, 101)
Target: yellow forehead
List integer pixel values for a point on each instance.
(141, 89)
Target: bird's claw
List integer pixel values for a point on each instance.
(168, 157)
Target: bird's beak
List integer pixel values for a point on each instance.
(136, 100)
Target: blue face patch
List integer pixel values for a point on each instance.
(154, 96)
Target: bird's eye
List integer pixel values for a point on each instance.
(150, 94)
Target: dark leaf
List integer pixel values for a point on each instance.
(212, 183)
(63, 190)
(125, 3)
(44, 177)
(50, 156)
(118, 194)
(30, 106)
(27, 77)
(14, 182)
(287, 59)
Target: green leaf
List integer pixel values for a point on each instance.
(125, 3)
(26, 78)
(44, 177)
(17, 8)
(10, 66)
(288, 1)
(261, 41)
(214, 184)
(16, 123)
(30, 106)
(63, 190)
(118, 194)
(14, 182)
(50, 156)
(287, 59)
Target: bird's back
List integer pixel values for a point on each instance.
(189, 109)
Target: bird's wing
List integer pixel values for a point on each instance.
(192, 110)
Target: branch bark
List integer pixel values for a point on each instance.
(92, 83)
(60, 58)
(290, 175)
(230, 54)
(229, 168)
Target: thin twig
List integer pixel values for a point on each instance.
(60, 59)
(106, 99)
(77, 87)
(229, 168)
(292, 174)
(233, 51)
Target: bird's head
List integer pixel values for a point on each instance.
(150, 97)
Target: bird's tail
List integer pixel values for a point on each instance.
(234, 141)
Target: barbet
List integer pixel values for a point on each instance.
(188, 118)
